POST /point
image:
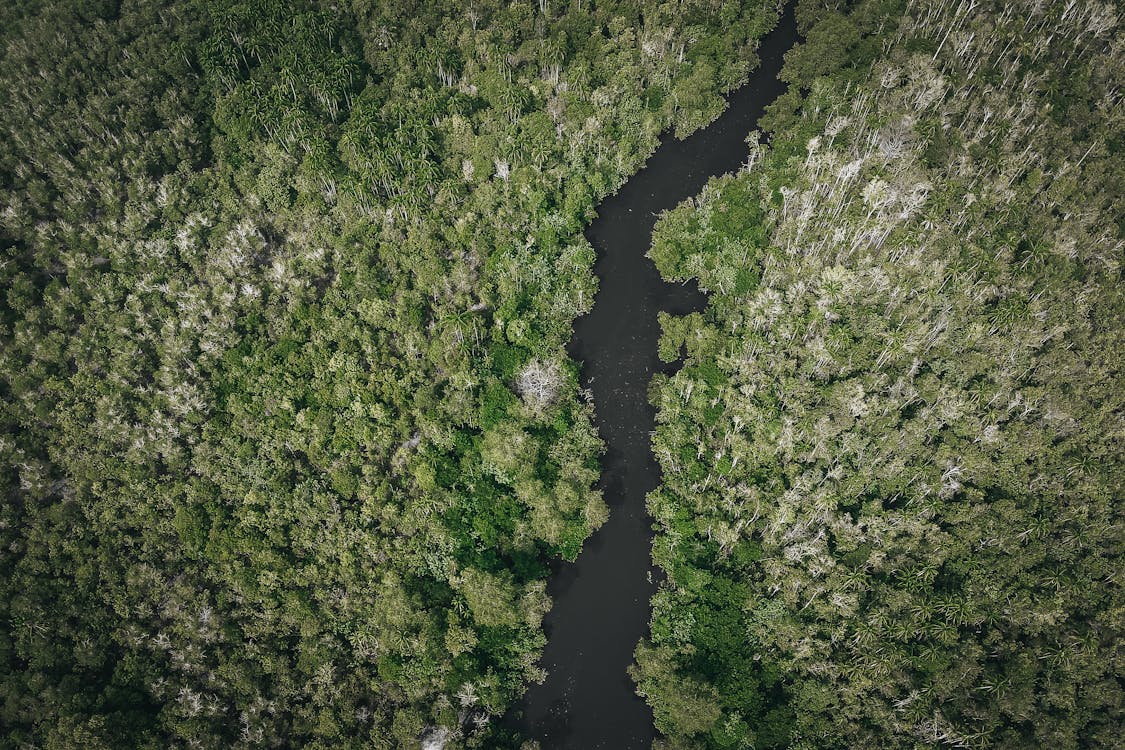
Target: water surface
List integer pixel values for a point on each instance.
(601, 602)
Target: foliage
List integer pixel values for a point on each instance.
(274, 273)
(890, 514)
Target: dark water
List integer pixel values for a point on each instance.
(601, 603)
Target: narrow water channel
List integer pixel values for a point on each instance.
(601, 602)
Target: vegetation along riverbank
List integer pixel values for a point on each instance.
(289, 431)
(891, 514)
(291, 442)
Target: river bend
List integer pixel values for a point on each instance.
(601, 602)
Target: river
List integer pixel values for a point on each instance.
(601, 602)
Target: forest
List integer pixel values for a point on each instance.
(288, 433)
(893, 459)
(290, 443)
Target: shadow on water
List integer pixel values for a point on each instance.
(601, 602)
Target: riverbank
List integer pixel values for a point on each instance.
(601, 602)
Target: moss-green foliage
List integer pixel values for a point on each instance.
(271, 273)
(893, 459)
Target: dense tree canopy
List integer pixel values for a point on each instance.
(893, 459)
(289, 433)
